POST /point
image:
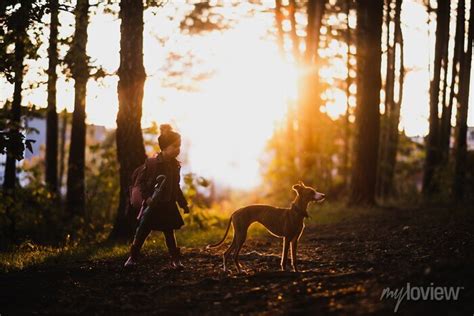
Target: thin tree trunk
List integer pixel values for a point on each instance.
(309, 96)
(294, 36)
(279, 26)
(369, 32)
(62, 152)
(432, 145)
(20, 29)
(444, 91)
(394, 120)
(129, 138)
(447, 111)
(390, 80)
(75, 197)
(389, 100)
(315, 12)
(347, 124)
(52, 115)
(461, 119)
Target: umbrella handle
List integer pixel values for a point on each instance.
(160, 181)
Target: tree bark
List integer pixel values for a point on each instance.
(347, 123)
(432, 144)
(391, 118)
(394, 121)
(294, 36)
(75, 197)
(279, 23)
(461, 118)
(445, 132)
(20, 37)
(62, 152)
(129, 138)
(315, 12)
(52, 115)
(310, 102)
(389, 99)
(369, 31)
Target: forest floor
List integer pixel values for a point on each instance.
(345, 266)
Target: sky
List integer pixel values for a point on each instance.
(226, 119)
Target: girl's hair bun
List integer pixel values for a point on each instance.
(165, 129)
(167, 136)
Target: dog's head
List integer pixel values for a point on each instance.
(308, 193)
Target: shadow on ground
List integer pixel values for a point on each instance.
(344, 269)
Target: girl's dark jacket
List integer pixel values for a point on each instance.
(166, 214)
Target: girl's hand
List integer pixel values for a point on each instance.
(186, 209)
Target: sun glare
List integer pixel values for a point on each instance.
(228, 121)
(243, 85)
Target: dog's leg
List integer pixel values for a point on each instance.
(294, 247)
(284, 255)
(228, 252)
(240, 239)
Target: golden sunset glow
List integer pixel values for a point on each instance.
(227, 116)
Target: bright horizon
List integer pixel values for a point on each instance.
(228, 118)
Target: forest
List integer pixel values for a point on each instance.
(366, 104)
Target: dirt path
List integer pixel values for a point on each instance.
(345, 268)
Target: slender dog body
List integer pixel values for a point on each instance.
(286, 223)
(280, 222)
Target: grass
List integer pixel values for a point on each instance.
(190, 236)
(29, 255)
(335, 212)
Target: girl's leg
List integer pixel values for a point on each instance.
(142, 232)
(140, 236)
(173, 248)
(171, 243)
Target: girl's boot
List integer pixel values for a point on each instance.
(137, 244)
(175, 255)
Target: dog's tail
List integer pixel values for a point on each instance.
(223, 238)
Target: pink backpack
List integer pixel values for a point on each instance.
(136, 199)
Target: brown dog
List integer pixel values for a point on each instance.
(286, 223)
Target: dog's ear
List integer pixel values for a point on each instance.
(297, 188)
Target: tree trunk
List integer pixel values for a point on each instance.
(310, 96)
(62, 152)
(294, 35)
(391, 118)
(52, 115)
(347, 123)
(315, 11)
(20, 36)
(432, 144)
(129, 138)
(445, 132)
(389, 100)
(394, 120)
(462, 110)
(369, 31)
(75, 197)
(279, 26)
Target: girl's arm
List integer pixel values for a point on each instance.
(142, 181)
(181, 199)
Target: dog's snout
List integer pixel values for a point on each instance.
(318, 196)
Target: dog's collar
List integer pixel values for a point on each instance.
(299, 211)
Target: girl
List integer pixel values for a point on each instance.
(164, 216)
